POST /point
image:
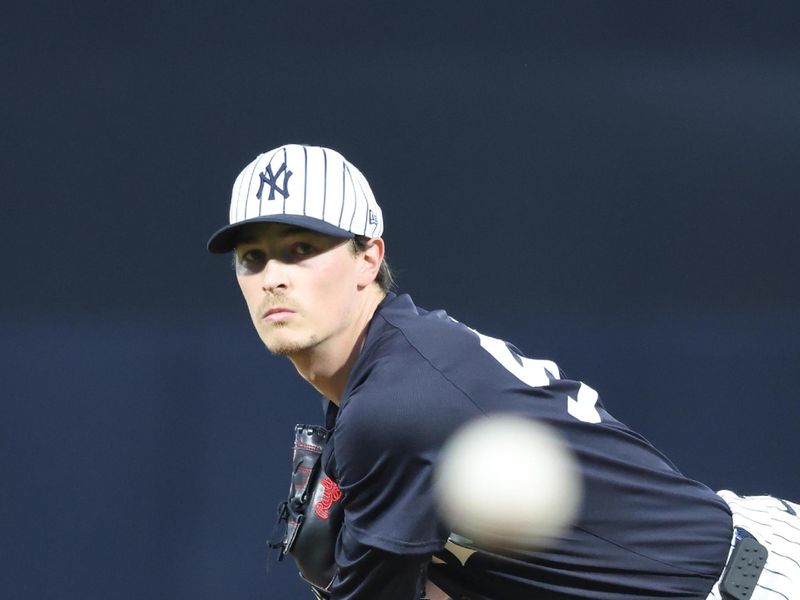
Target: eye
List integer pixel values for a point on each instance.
(302, 249)
(250, 261)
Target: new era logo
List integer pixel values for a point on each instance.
(271, 179)
(373, 218)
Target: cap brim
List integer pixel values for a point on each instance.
(224, 240)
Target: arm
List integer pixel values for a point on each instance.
(386, 443)
(366, 573)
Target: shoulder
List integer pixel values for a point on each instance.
(403, 340)
(406, 336)
(402, 399)
(419, 326)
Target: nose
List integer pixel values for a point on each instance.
(274, 276)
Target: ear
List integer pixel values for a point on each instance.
(369, 262)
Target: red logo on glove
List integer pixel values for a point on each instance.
(330, 494)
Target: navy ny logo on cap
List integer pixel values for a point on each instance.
(271, 180)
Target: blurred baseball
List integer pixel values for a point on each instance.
(507, 481)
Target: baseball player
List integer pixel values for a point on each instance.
(398, 380)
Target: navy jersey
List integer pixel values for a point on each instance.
(644, 530)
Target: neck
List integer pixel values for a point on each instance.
(327, 366)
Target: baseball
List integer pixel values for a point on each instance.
(507, 481)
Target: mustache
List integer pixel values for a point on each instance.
(270, 302)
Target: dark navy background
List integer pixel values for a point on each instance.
(610, 185)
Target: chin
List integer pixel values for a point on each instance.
(284, 349)
(288, 347)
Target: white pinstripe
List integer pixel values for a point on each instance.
(768, 520)
(313, 190)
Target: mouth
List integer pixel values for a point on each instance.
(279, 313)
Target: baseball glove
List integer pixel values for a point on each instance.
(313, 513)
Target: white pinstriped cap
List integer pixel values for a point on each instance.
(308, 186)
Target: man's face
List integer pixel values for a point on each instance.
(300, 286)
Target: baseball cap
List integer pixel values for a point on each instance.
(308, 186)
